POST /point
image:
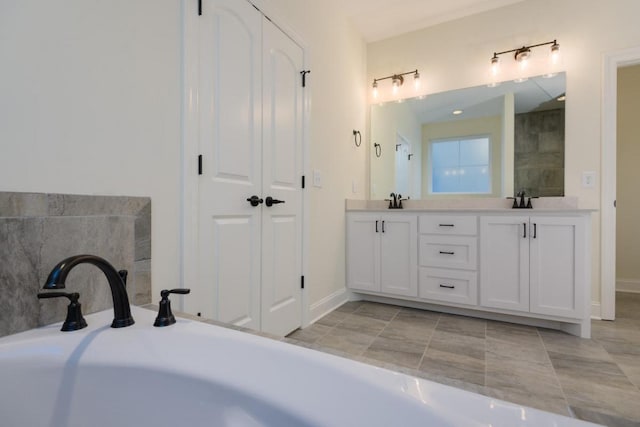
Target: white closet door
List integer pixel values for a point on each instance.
(228, 287)
(281, 180)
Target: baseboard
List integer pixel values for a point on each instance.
(596, 311)
(628, 285)
(327, 305)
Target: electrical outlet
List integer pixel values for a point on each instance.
(588, 179)
(317, 178)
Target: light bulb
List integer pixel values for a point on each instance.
(555, 53)
(495, 65)
(416, 80)
(375, 89)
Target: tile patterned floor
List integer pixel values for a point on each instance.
(596, 380)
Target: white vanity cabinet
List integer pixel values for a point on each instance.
(534, 264)
(448, 247)
(382, 253)
(523, 266)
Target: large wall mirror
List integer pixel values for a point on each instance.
(474, 142)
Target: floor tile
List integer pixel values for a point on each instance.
(559, 342)
(311, 333)
(586, 414)
(402, 352)
(585, 369)
(347, 341)
(362, 324)
(520, 397)
(462, 325)
(377, 311)
(332, 319)
(349, 307)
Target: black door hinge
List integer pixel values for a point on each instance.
(301, 282)
(304, 77)
(199, 7)
(199, 164)
(302, 181)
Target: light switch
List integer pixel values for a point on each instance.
(588, 179)
(317, 178)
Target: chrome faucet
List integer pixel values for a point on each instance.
(116, 279)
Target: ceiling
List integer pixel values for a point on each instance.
(381, 19)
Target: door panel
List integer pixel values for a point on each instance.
(557, 282)
(229, 105)
(398, 255)
(504, 269)
(363, 252)
(282, 171)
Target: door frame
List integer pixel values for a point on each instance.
(611, 62)
(189, 133)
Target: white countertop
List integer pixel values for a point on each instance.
(485, 204)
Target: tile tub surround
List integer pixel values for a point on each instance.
(594, 379)
(38, 230)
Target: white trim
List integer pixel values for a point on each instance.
(326, 305)
(596, 311)
(189, 122)
(628, 285)
(611, 62)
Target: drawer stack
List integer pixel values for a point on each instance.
(448, 258)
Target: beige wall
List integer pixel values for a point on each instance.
(628, 176)
(491, 126)
(456, 54)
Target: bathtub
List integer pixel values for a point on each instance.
(195, 374)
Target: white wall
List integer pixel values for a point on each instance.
(456, 54)
(90, 104)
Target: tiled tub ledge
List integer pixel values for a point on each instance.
(38, 230)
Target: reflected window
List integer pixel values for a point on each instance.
(460, 165)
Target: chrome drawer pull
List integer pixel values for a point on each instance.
(447, 286)
(447, 253)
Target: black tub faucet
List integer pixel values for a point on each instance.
(116, 279)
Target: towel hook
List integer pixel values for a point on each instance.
(378, 149)
(357, 136)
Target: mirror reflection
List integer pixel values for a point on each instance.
(473, 142)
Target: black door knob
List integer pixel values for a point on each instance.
(271, 201)
(254, 200)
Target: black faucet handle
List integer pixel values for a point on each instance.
(74, 320)
(165, 316)
(123, 275)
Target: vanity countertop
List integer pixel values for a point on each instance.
(543, 204)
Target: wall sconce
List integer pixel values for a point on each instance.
(522, 55)
(397, 80)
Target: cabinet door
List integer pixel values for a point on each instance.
(557, 269)
(399, 255)
(504, 265)
(363, 252)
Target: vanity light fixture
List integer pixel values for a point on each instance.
(397, 80)
(522, 55)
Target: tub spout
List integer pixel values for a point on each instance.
(121, 308)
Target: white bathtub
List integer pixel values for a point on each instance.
(194, 374)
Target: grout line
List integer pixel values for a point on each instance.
(424, 353)
(555, 374)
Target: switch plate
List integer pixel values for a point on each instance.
(588, 179)
(317, 178)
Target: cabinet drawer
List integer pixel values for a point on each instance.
(449, 224)
(449, 252)
(448, 285)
